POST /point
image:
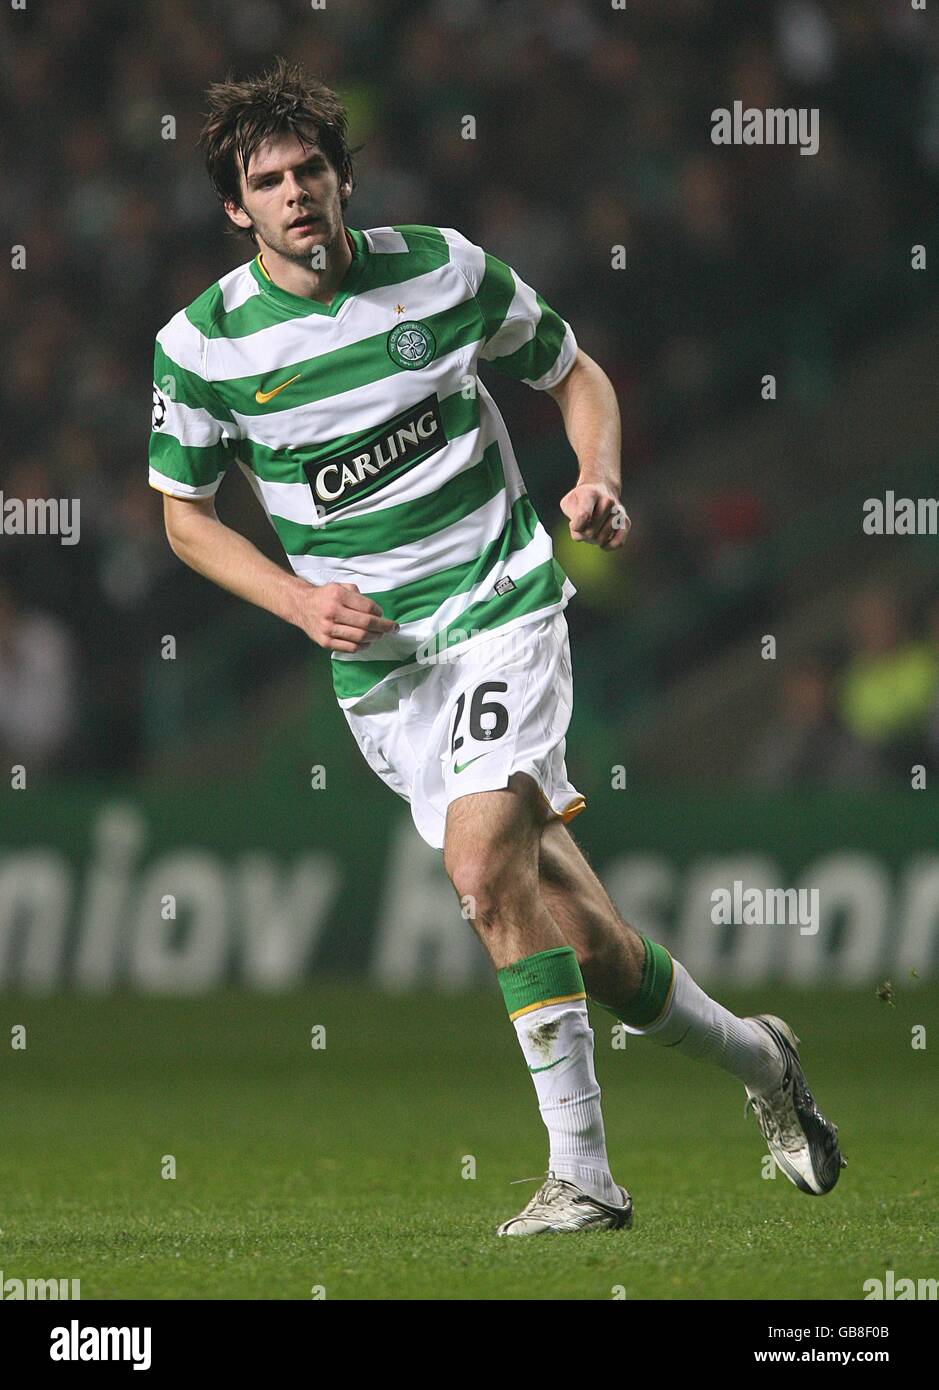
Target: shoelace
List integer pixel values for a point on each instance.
(778, 1119)
(540, 1204)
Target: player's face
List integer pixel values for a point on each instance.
(291, 195)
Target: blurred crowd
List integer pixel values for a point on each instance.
(862, 714)
(592, 132)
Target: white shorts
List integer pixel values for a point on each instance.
(467, 722)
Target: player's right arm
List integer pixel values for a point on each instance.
(335, 616)
(191, 431)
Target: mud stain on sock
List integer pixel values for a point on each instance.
(544, 1035)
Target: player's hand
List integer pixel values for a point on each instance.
(596, 515)
(340, 618)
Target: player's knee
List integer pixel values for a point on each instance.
(483, 881)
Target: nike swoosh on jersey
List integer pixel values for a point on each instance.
(262, 397)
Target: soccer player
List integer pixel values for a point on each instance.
(338, 369)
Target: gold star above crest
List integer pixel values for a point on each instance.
(399, 308)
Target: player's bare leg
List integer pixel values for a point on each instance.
(610, 953)
(653, 995)
(491, 854)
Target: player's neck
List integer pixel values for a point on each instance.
(299, 277)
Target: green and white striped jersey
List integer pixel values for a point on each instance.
(376, 452)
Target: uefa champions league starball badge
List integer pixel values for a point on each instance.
(411, 345)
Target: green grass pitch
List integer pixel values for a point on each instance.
(342, 1167)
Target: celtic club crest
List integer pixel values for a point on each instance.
(411, 345)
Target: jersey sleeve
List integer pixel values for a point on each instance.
(524, 337)
(191, 427)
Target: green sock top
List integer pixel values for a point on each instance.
(547, 977)
(654, 986)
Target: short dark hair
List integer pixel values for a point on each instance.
(284, 100)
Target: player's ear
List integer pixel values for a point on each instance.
(237, 215)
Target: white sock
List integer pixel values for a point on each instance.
(699, 1027)
(557, 1042)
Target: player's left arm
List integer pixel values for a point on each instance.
(591, 416)
(526, 339)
